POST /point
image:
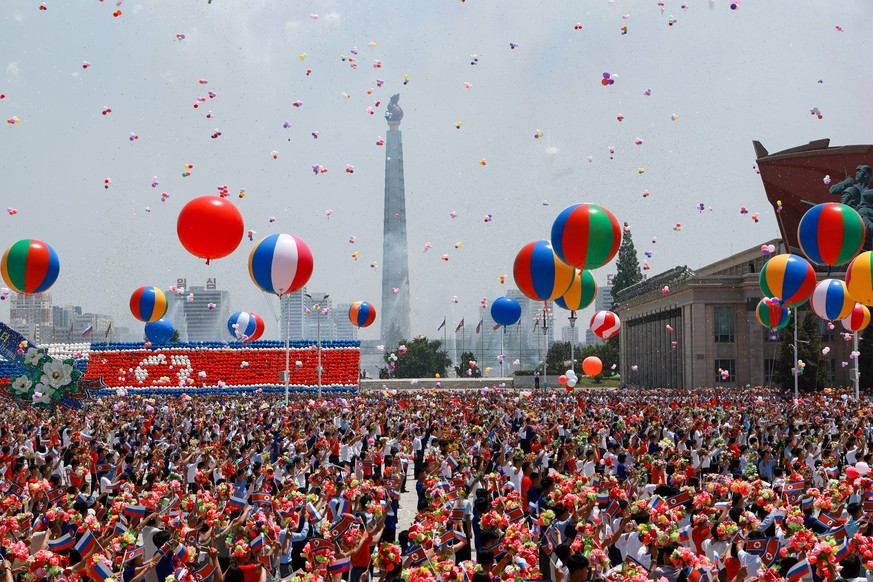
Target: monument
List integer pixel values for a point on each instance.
(395, 261)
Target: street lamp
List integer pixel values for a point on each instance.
(317, 307)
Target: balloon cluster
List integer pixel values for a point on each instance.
(568, 379)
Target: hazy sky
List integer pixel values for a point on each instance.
(729, 76)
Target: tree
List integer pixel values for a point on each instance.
(462, 368)
(816, 374)
(608, 354)
(424, 358)
(627, 266)
(558, 358)
(176, 337)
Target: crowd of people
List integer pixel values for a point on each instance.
(726, 485)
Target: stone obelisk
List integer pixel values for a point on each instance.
(395, 261)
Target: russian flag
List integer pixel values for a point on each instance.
(179, 552)
(86, 542)
(806, 503)
(603, 497)
(685, 534)
(235, 503)
(798, 571)
(113, 486)
(340, 566)
(842, 551)
(656, 503)
(257, 543)
(134, 511)
(313, 512)
(460, 536)
(103, 570)
(65, 542)
(88, 331)
(452, 463)
(832, 472)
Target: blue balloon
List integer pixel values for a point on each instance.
(505, 311)
(159, 332)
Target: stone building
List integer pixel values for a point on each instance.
(680, 327)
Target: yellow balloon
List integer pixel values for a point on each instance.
(437, 375)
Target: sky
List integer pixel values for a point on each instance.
(717, 79)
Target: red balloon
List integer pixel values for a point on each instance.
(210, 227)
(592, 365)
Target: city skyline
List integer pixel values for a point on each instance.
(497, 138)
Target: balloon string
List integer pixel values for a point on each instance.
(829, 271)
(270, 306)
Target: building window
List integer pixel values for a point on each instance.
(722, 366)
(724, 324)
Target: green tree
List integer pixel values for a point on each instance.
(627, 266)
(464, 365)
(816, 373)
(176, 337)
(608, 354)
(424, 358)
(558, 358)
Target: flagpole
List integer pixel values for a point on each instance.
(502, 354)
(445, 335)
(857, 367)
(482, 344)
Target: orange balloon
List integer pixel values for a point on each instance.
(592, 365)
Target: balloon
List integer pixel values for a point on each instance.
(862, 468)
(592, 365)
(539, 273)
(571, 383)
(831, 234)
(852, 473)
(562, 379)
(581, 293)
(210, 227)
(30, 266)
(789, 278)
(148, 304)
(280, 264)
(858, 319)
(771, 314)
(568, 388)
(830, 300)
(362, 314)
(605, 324)
(505, 311)
(859, 278)
(159, 332)
(586, 236)
(249, 326)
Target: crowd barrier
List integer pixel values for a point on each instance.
(208, 367)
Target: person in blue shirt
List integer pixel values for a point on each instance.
(290, 543)
(164, 566)
(621, 468)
